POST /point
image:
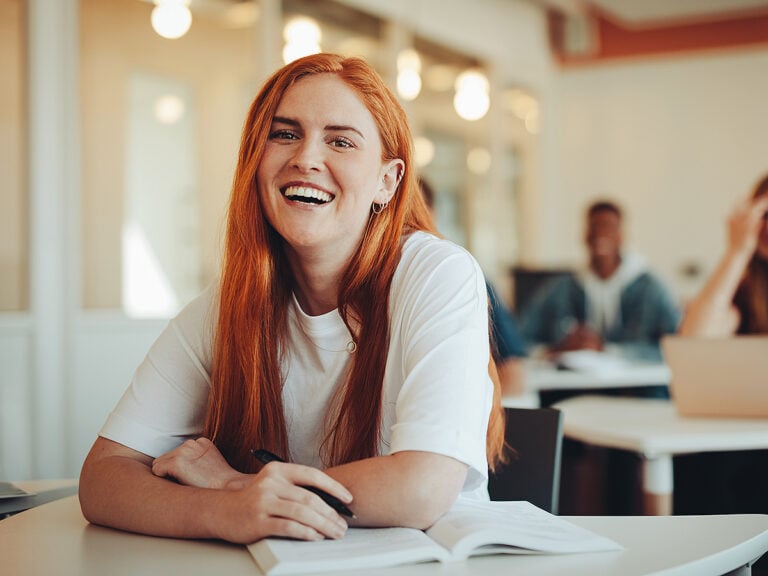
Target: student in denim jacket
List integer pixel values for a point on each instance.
(617, 302)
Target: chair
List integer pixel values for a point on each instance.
(533, 470)
(526, 282)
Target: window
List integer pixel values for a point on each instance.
(160, 127)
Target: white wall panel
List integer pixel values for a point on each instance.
(106, 351)
(15, 398)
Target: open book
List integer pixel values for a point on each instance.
(594, 362)
(468, 529)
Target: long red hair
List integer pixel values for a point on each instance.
(245, 407)
(752, 295)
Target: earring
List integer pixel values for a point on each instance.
(378, 208)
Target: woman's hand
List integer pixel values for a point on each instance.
(270, 503)
(198, 463)
(744, 225)
(711, 312)
(273, 503)
(123, 488)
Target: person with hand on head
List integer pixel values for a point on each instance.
(734, 300)
(615, 302)
(343, 336)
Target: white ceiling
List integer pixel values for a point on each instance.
(639, 12)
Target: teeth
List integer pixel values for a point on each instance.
(304, 192)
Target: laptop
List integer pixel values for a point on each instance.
(10, 490)
(726, 377)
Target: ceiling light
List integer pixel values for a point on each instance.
(471, 100)
(171, 18)
(302, 37)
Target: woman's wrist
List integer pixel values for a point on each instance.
(236, 481)
(739, 256)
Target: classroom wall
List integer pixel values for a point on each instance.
(676, 140)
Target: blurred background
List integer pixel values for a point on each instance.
(120, 123)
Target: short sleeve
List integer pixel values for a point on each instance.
(440, 331)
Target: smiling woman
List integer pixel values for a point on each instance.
(321, 173)
(344, 336)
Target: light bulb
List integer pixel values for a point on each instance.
(408, 84)
(471, 100)
(171, 19)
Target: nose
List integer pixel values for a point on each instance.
(308, 155)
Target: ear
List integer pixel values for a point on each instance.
(390, 176)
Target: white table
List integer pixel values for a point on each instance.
(55, 539)
(542, 375)
(653, 429)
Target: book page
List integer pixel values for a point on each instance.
(511, 527)
(360, 548)
(594, 362)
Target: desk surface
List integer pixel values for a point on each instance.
(56, 539)
(652, 427)
(540, 375)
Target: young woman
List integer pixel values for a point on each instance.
(343, 336)
(733, 301)
(735, 298)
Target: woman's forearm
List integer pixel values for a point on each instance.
(409, 488)
(711, 312)
(122, 492)
(118, 489)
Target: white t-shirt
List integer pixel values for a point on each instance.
(436, 392)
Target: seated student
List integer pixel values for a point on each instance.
(508, 346)
(343, 336)
(733, 301)
(616, 301)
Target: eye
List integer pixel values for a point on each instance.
(341, 142)
(283, 134)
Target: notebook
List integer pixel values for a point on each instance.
(725, 377)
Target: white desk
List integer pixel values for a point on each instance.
(542, 375)
(55, 539)
(653, 429)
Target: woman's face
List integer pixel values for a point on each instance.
(322, 168)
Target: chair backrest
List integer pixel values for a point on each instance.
(526, 282)
(533, 470)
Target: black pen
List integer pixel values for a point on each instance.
(264, 456)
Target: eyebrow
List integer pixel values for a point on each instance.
(328, 128)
